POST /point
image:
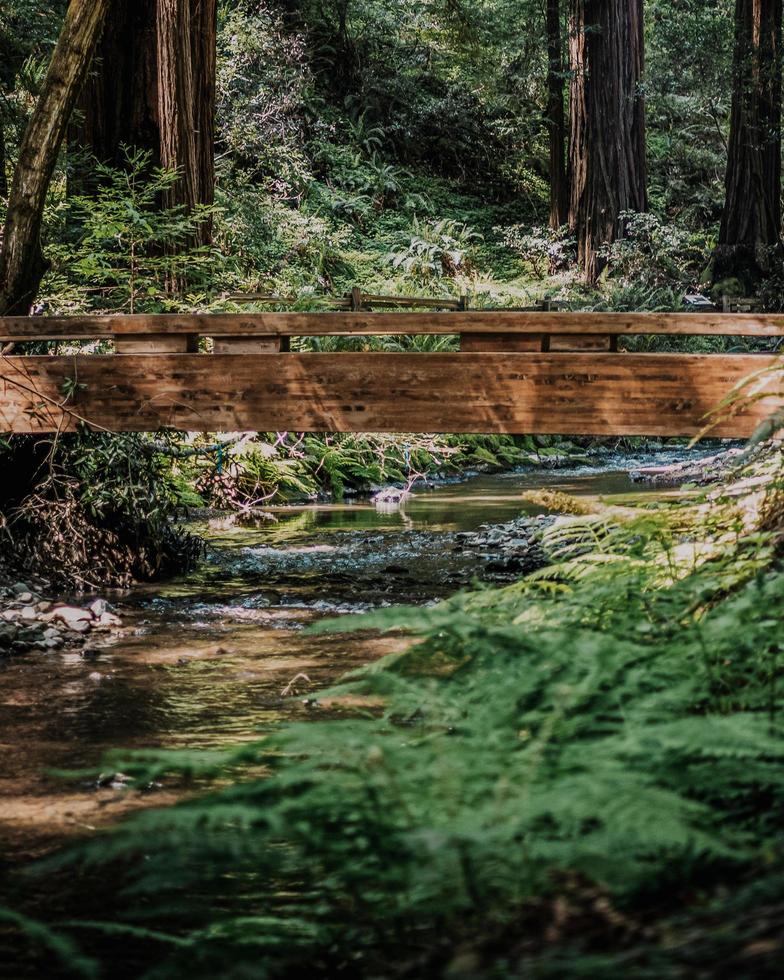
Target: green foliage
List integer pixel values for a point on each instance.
(264, 83)
(436, 249)
(94, 510)
(543, 249)
(131, 253)
(654, 254)
(287, 467)
(610, 727)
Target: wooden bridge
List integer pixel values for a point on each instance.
(515, 372)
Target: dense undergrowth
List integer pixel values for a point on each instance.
(91, 510)
(577, 775)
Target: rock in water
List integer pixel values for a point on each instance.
(74, 618)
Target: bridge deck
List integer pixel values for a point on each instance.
(549, 373)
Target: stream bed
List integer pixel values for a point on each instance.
(216, 657)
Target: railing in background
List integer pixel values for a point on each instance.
(516, 372)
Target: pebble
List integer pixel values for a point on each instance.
(28, 622)
(98, 608)
(513, 548)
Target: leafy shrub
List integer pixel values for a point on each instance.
(436, 249)
(545, 250)
(264, 93)
(287, 467)
(93, 510)
(655, 254)
(129, 253)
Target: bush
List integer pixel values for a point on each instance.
(93, 510)
(655, 254)
(124, 252)
(436, 249)
(544, 250)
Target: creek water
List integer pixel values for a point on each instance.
(215, 657)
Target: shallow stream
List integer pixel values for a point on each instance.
(215, 657)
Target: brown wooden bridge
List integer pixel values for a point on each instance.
(515, 372)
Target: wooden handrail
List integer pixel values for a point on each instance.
(26, 329)
(355, 300)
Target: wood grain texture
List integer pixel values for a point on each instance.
(348, 324)
(153, 343)
(249, 345)
(590, 394)
(560, 343)
(483, 342)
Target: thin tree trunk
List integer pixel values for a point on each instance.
(22, 263)
(607, 124)
(3, 163)
(750, 233)
(556, 117)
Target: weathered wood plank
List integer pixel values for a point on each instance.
(591, 394)
(250, 345)
(579, 343)
(156, 343)
(362, 323)
(478, 342)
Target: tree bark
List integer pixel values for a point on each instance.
(607, 167)
(119, 102)
(556, 117)
(750, 233)
(186, 98)
(22, 263)
(3, 163)
(153, 88)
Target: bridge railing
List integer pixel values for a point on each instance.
(478, 330)
(515, 372)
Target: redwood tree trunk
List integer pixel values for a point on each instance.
(186, 98)
(119, 102)
(21, 261)
(607, 123)
(556, 117)
(750, 231)
(153, 88)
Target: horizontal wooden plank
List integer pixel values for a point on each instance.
(152, 343)
(560, 343)
(473, 342)
(368, 324)
(250, 345)
(590, 394)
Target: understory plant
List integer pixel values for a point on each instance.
(93, 510)
(123, 250)
(268, 468)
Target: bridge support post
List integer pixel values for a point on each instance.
(156, 343)
(250, 345)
